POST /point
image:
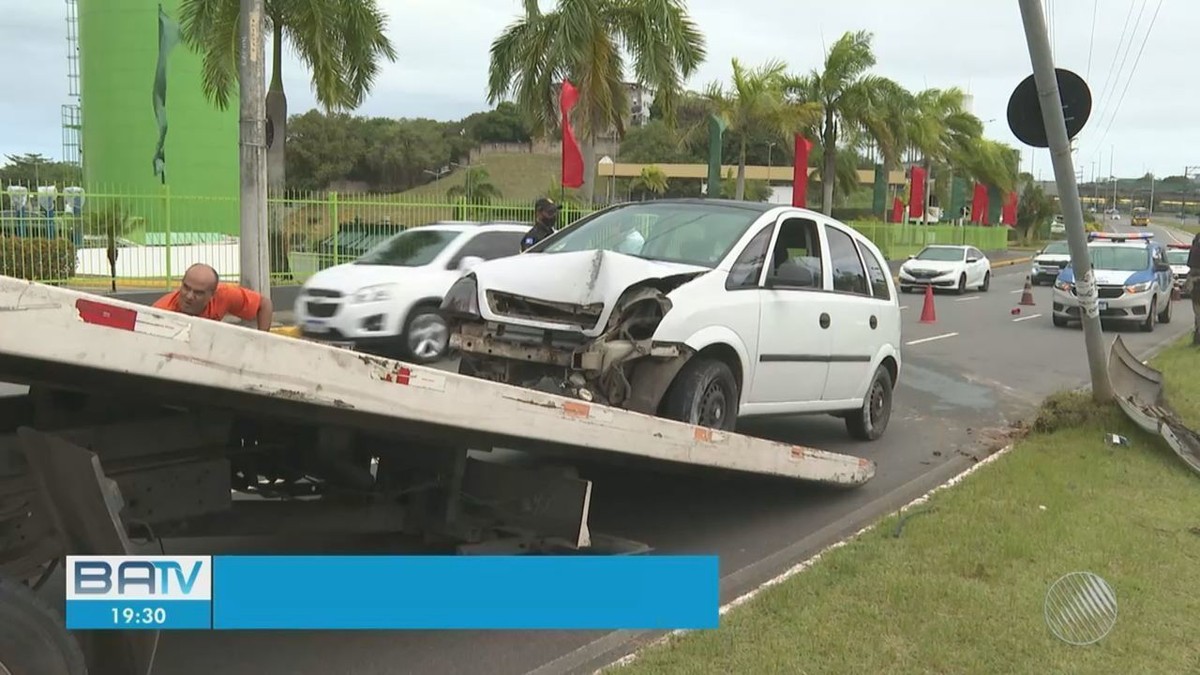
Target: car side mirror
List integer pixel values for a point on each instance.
(912, 257)
(972, 260)
(468, 263)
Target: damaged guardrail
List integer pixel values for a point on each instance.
(1139, 390)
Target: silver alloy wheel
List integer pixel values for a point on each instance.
(428, 336)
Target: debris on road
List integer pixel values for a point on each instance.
(1116, 440)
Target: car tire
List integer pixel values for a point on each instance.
(1164, 317)
(962, 283)
(704, 393)
(35, 641)
(987, 282)
(1147, 326)
(426, 337)
(871, 421)
(1059, 322)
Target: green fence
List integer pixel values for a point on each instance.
(146, 241)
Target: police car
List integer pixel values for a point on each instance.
(1177, 258)
(1133, 281)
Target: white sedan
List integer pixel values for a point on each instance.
(945, 266)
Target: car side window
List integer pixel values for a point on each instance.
(848, 273)
(879, 282)
(747, 268)
(489, 246)
(796, 259)
(975, 253)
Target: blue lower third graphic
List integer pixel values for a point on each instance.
(473, 592)
(139, 592)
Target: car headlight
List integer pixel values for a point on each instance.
(1064, 286)
(462, 299)
(1139, 288)
(377, 293)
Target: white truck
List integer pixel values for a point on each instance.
(143, 422)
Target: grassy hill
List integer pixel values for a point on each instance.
(519, 177)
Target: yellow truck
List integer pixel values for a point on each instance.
(1141, 216)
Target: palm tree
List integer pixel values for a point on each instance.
(581, 41)
(849, 100)
(757, 101)
(341, 42)
(653, 180)
(477, 188)
(936, 125)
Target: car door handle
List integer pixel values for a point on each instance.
(824, 320)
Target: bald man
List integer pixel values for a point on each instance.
(202, 294)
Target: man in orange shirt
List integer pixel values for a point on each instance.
(202, 294)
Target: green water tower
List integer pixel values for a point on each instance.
(131, 90)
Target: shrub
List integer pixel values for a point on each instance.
(37, 259)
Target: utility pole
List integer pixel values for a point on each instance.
(252, 144)
(1068, 192)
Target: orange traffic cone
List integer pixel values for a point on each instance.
(1027, 295)
(928, 315)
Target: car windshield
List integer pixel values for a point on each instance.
(1141, 211)
(411, 248)
(691, 233)
(1057, 248)
(1120, 258)
(941, 254)
(1178, 256)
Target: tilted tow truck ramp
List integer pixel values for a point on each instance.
(76, 340)
(1139, 392)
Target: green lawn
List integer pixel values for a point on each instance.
(960, 588)
(517, 176)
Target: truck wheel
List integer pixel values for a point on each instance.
(705, 393)
(869, 423)
(34, 639)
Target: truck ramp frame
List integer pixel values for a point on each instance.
(1139, 392)
(139, 419)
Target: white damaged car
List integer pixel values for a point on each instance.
(703, 311)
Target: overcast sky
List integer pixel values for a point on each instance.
(976, 44)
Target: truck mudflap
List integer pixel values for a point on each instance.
(92, 341)
(1139, 392)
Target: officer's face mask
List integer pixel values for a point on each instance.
(549, 217)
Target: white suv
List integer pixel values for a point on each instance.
(697, 310)
(386, 301)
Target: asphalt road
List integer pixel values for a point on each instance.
(965, 378)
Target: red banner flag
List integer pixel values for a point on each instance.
(897, 210)
(1008, 215)
(800, 172)
(916, 203)
(979, 204)
(572, 156)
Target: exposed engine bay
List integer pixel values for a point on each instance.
(623, 366)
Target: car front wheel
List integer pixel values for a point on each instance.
(705, 393)
(427, 336)
(869, 422)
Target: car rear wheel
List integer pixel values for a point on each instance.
(1164, 317)
(427, 336)
(705, 393)
(869, 422)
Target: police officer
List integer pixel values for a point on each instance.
(545, 212)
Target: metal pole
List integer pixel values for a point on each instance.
(255, 263)
(1068, 191)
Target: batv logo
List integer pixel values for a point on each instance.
(139, 578)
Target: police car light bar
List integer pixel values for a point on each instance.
(1120, 237)
(1183, 246)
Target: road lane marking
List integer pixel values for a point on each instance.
(930, 339)
(973, 297)
(1019, 290)
(1026, 318)
(903, 306)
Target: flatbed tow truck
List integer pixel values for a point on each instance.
(140, 420)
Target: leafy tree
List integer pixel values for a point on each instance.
(477, 188)
(587, 43)
(503, 124)
(655, 142)
(341, 42)
(32, 170)
(850, 100)
(1034, 209)
(757, 101)
(935, 124)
